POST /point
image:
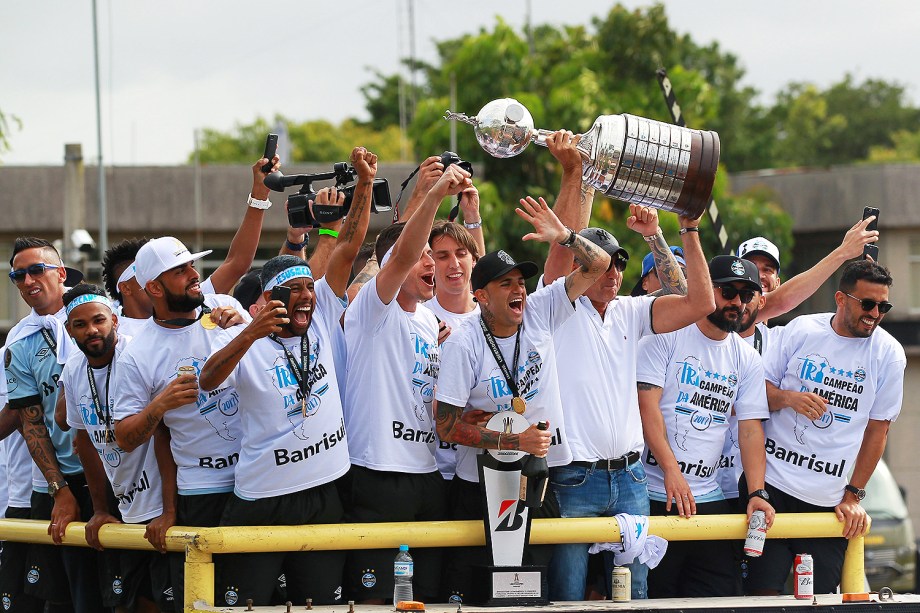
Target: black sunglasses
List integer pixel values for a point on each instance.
(619, 262)
(867, 305)
(730, 291)
(35, 270)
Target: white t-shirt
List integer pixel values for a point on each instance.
(19, 470)
(130, 326)
(471, 378)
(701, 380)
(597, 363)
(205, 435)
(393, 361)
(446, 453)
(284, 451)
(730, 463)
(861, 378)
(135, 476)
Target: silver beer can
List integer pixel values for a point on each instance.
(621, 584)
(756, 535)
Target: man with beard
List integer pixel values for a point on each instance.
(34, 361)
(283, 365)
(835, 383)
(506, 360)
(689, 382)
(597, 351)
(124, 486)
(156, 387)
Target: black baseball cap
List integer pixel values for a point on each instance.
(729, 268)
(249, 288)
(606, 241)
(497, 264)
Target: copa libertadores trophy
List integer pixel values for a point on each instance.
(626, 157)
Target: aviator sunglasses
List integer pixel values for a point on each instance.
(730, 291)
(867, 305)
(35, 270)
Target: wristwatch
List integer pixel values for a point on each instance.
(56, 486)
(858, 492)
(760, 494)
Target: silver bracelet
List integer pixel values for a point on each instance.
(472, 226)
(653, 237)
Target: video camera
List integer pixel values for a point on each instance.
(299, 215)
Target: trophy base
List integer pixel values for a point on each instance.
(506, 586)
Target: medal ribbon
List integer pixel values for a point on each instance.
(105, 417)
(299, 370)
(184, 321)
(500, 359)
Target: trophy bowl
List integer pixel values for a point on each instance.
(626, 157)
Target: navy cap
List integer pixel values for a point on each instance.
(729, 268)
(497, 264)
(648, 264)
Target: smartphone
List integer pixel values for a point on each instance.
(870, 211)
(271, 146)
(871, 249)
(282, 293)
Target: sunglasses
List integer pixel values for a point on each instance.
(867, 305)
(730, 291)
(35, 270)
(619, 262)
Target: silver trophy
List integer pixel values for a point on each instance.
(626, 157)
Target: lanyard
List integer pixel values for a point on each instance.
(50, 340)
(500, 359)
(299, 370)
(758, 340)
(105, 417)
(183, 321)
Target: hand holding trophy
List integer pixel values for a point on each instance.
(626, 157)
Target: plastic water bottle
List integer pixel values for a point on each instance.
(402, 575)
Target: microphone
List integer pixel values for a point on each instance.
(278, 182)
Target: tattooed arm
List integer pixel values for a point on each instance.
(676, 310)
(547, 228)
(452, 428)
(371, 268)
(132, 431)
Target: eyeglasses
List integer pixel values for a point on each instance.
(619, 262)
(35, 270)
(867, 305)
(730, 291)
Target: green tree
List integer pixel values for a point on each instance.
(5, 124)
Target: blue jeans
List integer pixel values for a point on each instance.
(593, 492)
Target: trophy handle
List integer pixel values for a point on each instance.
(539, 136)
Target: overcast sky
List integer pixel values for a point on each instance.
(169, 67)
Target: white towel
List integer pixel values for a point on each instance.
(637, 543)
(33, 322)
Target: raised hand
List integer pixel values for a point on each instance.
(365, 162)
(562, 145)
(642, 219)
(547, 227)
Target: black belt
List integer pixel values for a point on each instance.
(614, 464)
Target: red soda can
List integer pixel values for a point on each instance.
(804, 573)
(756, 535)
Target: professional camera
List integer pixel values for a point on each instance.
(449, 157)
(299, 209)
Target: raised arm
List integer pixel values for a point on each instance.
(246, 240)
(414, 236)
(644, 220)
(354, 228)
(548, 229)
(675, 311)
(469, 205)
(797, 289)
(573, 204)
(429, 172)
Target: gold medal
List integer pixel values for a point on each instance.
(518, 404)
(207, 323)
(303, 406)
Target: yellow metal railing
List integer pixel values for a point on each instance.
(200, 543)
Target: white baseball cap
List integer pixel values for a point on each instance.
(759, 246)
(159, 255)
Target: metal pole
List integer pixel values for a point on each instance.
(453, 105)
(103, 214)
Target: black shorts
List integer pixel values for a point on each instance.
(308, 574)
(466, 501)
(696, 568)
(379, 496)
(770, 571)
(201, 511)
(13, 569)
(58, 574)
(130, 574)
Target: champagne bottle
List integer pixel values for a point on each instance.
(534, 477)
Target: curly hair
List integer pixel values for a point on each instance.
(115, 256)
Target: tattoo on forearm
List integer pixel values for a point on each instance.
(587, 195)
(586, 252)
(462, 433)
(646, 387)
(39, 442)
(147, 427)
(359, 202)
(669, 272)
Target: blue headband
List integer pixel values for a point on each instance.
(86, 299)
(294, 272)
